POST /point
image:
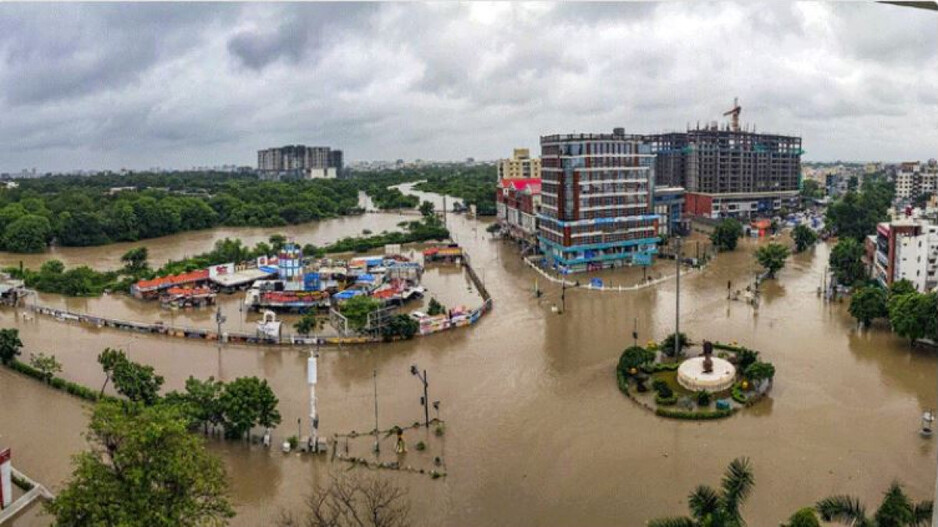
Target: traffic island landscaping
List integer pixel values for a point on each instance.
(704, 381)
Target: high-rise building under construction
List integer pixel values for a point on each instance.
(727, 171)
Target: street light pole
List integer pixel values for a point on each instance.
(677, 300)
(425, 400)
(374, 374)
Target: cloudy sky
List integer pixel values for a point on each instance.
(173, 85)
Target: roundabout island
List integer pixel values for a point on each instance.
(704, 381)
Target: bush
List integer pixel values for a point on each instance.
(421, 446)
(633, 357)
(703, 398)
(666, 400)
(737, 394)
(660, 367)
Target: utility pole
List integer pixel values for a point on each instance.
(563, 294)
(374, 374)
(425, 400)
(677, 300)
(444, 211)
(311, 367)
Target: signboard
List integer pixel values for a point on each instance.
(262, 261)
(6, 488)
(219, 270)
(641, 259)
(311, 370)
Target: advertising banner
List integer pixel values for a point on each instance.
(219, 270)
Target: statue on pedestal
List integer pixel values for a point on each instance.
(707, 353)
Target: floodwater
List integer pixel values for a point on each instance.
(536, 431)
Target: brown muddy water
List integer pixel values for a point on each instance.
(536, 431)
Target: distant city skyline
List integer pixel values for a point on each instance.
(110, 86)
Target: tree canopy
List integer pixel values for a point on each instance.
(846, 261)
(868, 303)
(772, 257)
(143, 468)
(726, 234)
(804, 237)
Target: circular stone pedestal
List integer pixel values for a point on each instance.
(690, 374)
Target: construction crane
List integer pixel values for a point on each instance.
(735, 113)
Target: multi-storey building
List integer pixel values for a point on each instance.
(917, 258)
(596, 201)
(730, 172)
(518, 202)
(301, 161)
(882, 248)
(916, 179)
(520, 166)
(669, 206)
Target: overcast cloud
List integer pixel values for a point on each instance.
(173, 85)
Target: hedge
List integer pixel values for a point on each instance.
(692, 415)
(737, 394)
(727, 347)
(58, 383)
(622, 381)
(666, 401)
(659, 367)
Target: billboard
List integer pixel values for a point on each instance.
(220, 270)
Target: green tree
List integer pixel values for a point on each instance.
(109, 359)
(868, 303)
(634, 357)
(435, 308)
(760, 371)
(811, 189)
(667, 345)
(745, 357)
(710, 507)
(135, 260)
(357, 309)
(246, 402)
(143, 468)
(47, 365)
(201, 402)
(427, 208)
(912, 315)
(772, 257)
(804, 237)
(896, 510)
(137, 382)
(277, 241)
(805, 517)
(308, 323)
(726, 234)
(10, 345)
(51, 267)
(401, 326)
(846, 262)
(28, 234)
(901, 287)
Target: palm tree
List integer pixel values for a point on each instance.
(896, 510)
(716, 508)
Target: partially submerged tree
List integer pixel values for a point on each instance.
(867, 304)
(726, 234)
(47, 365)
(109, 359)
(772, 257)
(10, 345)
(143, 468)
(352, 500)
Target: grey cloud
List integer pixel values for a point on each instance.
(88, 85)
